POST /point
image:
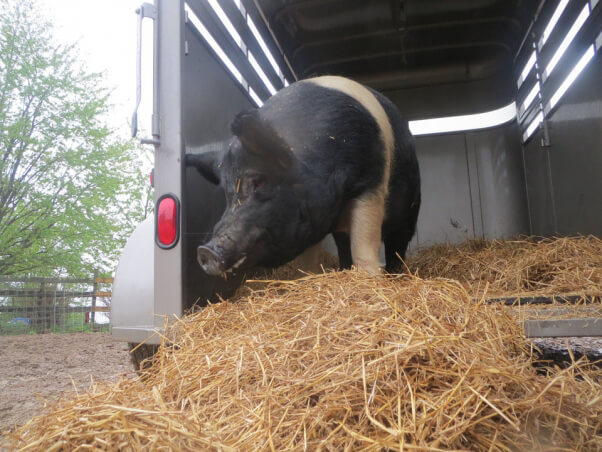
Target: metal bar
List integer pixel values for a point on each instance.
(564, 327)
(27, 279)
(251, 43)
(138, 74)
(169, 154)
(17, 293)
(65, 309)
(563, 299)
(584, 38)
(526, 116)
(527, 83)
(570, 13)
(213, 24)
(263, 24)
(145, 10)
(94, 289)
(528, 32)
(156, 122)
(529, 115)
(543, 19)
(550, 180)
(527, 194)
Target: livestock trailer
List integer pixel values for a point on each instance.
(504, 98)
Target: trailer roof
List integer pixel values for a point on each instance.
(399, 43)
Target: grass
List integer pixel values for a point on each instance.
(70, 323)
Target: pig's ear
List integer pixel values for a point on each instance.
(206, 159)
(263, 148)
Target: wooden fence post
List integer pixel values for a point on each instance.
(42, 316)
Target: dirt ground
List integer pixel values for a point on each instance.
(45, 366)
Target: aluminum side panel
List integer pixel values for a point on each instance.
(564, 181)
(445, 213)
(168, 156)
(576, 154)
(472, 186)
(500, 181)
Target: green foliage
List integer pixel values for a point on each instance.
(71, 190)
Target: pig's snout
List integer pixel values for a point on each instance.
(210, 261)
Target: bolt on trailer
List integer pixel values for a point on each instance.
(504, 98)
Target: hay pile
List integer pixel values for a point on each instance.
(338, 361)
(528, 266)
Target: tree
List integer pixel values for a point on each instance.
(70, 189)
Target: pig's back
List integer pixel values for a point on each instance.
(335, 136)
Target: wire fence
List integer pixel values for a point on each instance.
(30, 305)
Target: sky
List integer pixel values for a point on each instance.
(106, 36)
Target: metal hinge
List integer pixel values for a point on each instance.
(147, 10)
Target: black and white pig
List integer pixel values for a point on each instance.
(323, 155)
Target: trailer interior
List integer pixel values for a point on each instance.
(504, 98)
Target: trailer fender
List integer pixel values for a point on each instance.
(132, 306)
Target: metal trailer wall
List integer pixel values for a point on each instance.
(472, 182)
(168, 170)
(210, 100)
(472, 186)
(564, 180)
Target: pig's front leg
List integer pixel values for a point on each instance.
(367, 215)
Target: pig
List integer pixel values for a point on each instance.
(325, 155)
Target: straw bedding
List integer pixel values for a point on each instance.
(339, 361)
(527, 266)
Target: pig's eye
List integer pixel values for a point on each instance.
(256, 182)
(249, 185)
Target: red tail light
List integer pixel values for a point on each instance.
(167, 221)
